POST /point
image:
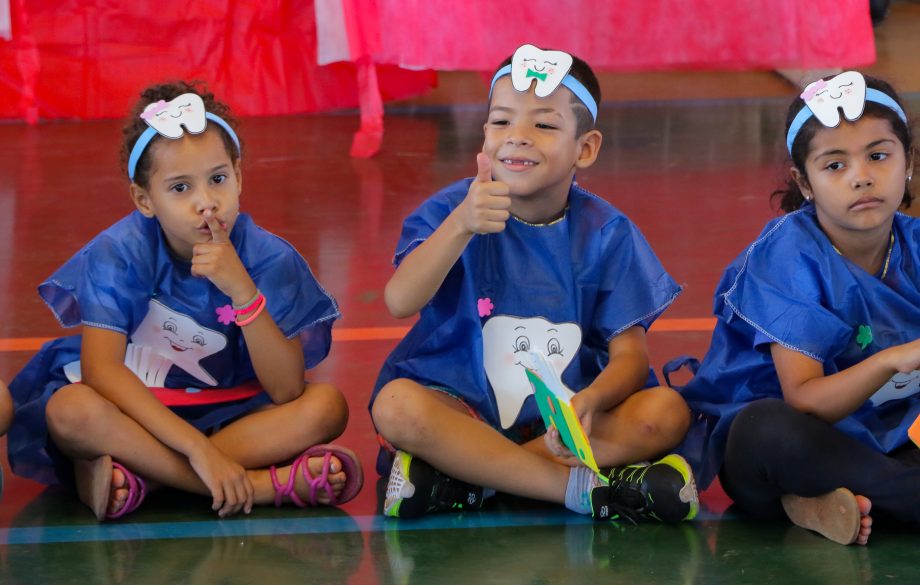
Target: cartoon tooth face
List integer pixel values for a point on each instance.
(547, 67)
(506, 341)
(172, 339)
(846, 91)
(899, 386)
(167, 118)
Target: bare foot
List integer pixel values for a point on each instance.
(838, 515)
(865, 520)
(118, 492)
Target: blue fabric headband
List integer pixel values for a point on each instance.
(141, 145)
(575, 86)
(805, 114)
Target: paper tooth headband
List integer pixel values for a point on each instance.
(846, 91)
(168, 118)
(550, 69)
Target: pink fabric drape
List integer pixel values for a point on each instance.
(630, 35)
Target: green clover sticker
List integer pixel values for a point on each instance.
(864, 336)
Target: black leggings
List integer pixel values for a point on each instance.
(774, 450)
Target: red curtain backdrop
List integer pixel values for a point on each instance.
(87, 59)
(630, 35)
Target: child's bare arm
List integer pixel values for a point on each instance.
(6, 409)
(277, 360)
(626, 372)
(421, 273)
(832, 398)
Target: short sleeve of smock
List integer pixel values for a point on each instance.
(98, 285)
(422, 222)
(297, 302)
(634, 286)
(779, 290)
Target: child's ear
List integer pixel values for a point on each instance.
(589, 145)
(802, 181)
(141, 200)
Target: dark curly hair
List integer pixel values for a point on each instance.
(583, 73)
(790, 196)
(135, 126)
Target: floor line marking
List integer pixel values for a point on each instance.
(383, 333)
(303, 526)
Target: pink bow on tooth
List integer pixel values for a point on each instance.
(811, 91)
(156, 109)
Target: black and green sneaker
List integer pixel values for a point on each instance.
(663, 491)
(416, 488)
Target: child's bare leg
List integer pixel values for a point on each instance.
(85, 425)
(645, 426)
(282, 432)
(436, 428)
(6, 409)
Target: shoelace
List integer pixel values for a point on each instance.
(627, 499)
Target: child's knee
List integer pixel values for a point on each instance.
(327, 400)
(663, 416)
(397, 413)
(73, 409)
(6, 409)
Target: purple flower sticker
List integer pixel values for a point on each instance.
(226, 315)
(485, 307)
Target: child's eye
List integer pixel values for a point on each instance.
(546, 127)
(180, 187)
(499, 122)
(878, 156)
(218, 179)
(834, 166)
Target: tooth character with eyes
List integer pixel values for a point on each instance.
(165, 339)
(548, 68)
(506, 340)
(900, 385)
(167, 118)
(846, 91)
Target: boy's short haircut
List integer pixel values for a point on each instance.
(583, 73)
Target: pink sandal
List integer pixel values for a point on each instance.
(94, 486)
(354, 476)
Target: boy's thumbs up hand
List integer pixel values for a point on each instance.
(485, 208)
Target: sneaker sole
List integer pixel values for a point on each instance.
(835, 515)
(688, 494)
(400, 468)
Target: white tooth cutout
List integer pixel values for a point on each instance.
(506, 341)
(846, 91)
(547, 67)
(168, 118)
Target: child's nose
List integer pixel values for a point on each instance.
(206, 200)
(518, 138)
(862, 178)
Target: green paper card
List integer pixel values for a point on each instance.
(556, 410)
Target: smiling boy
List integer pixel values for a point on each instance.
(521, 258)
